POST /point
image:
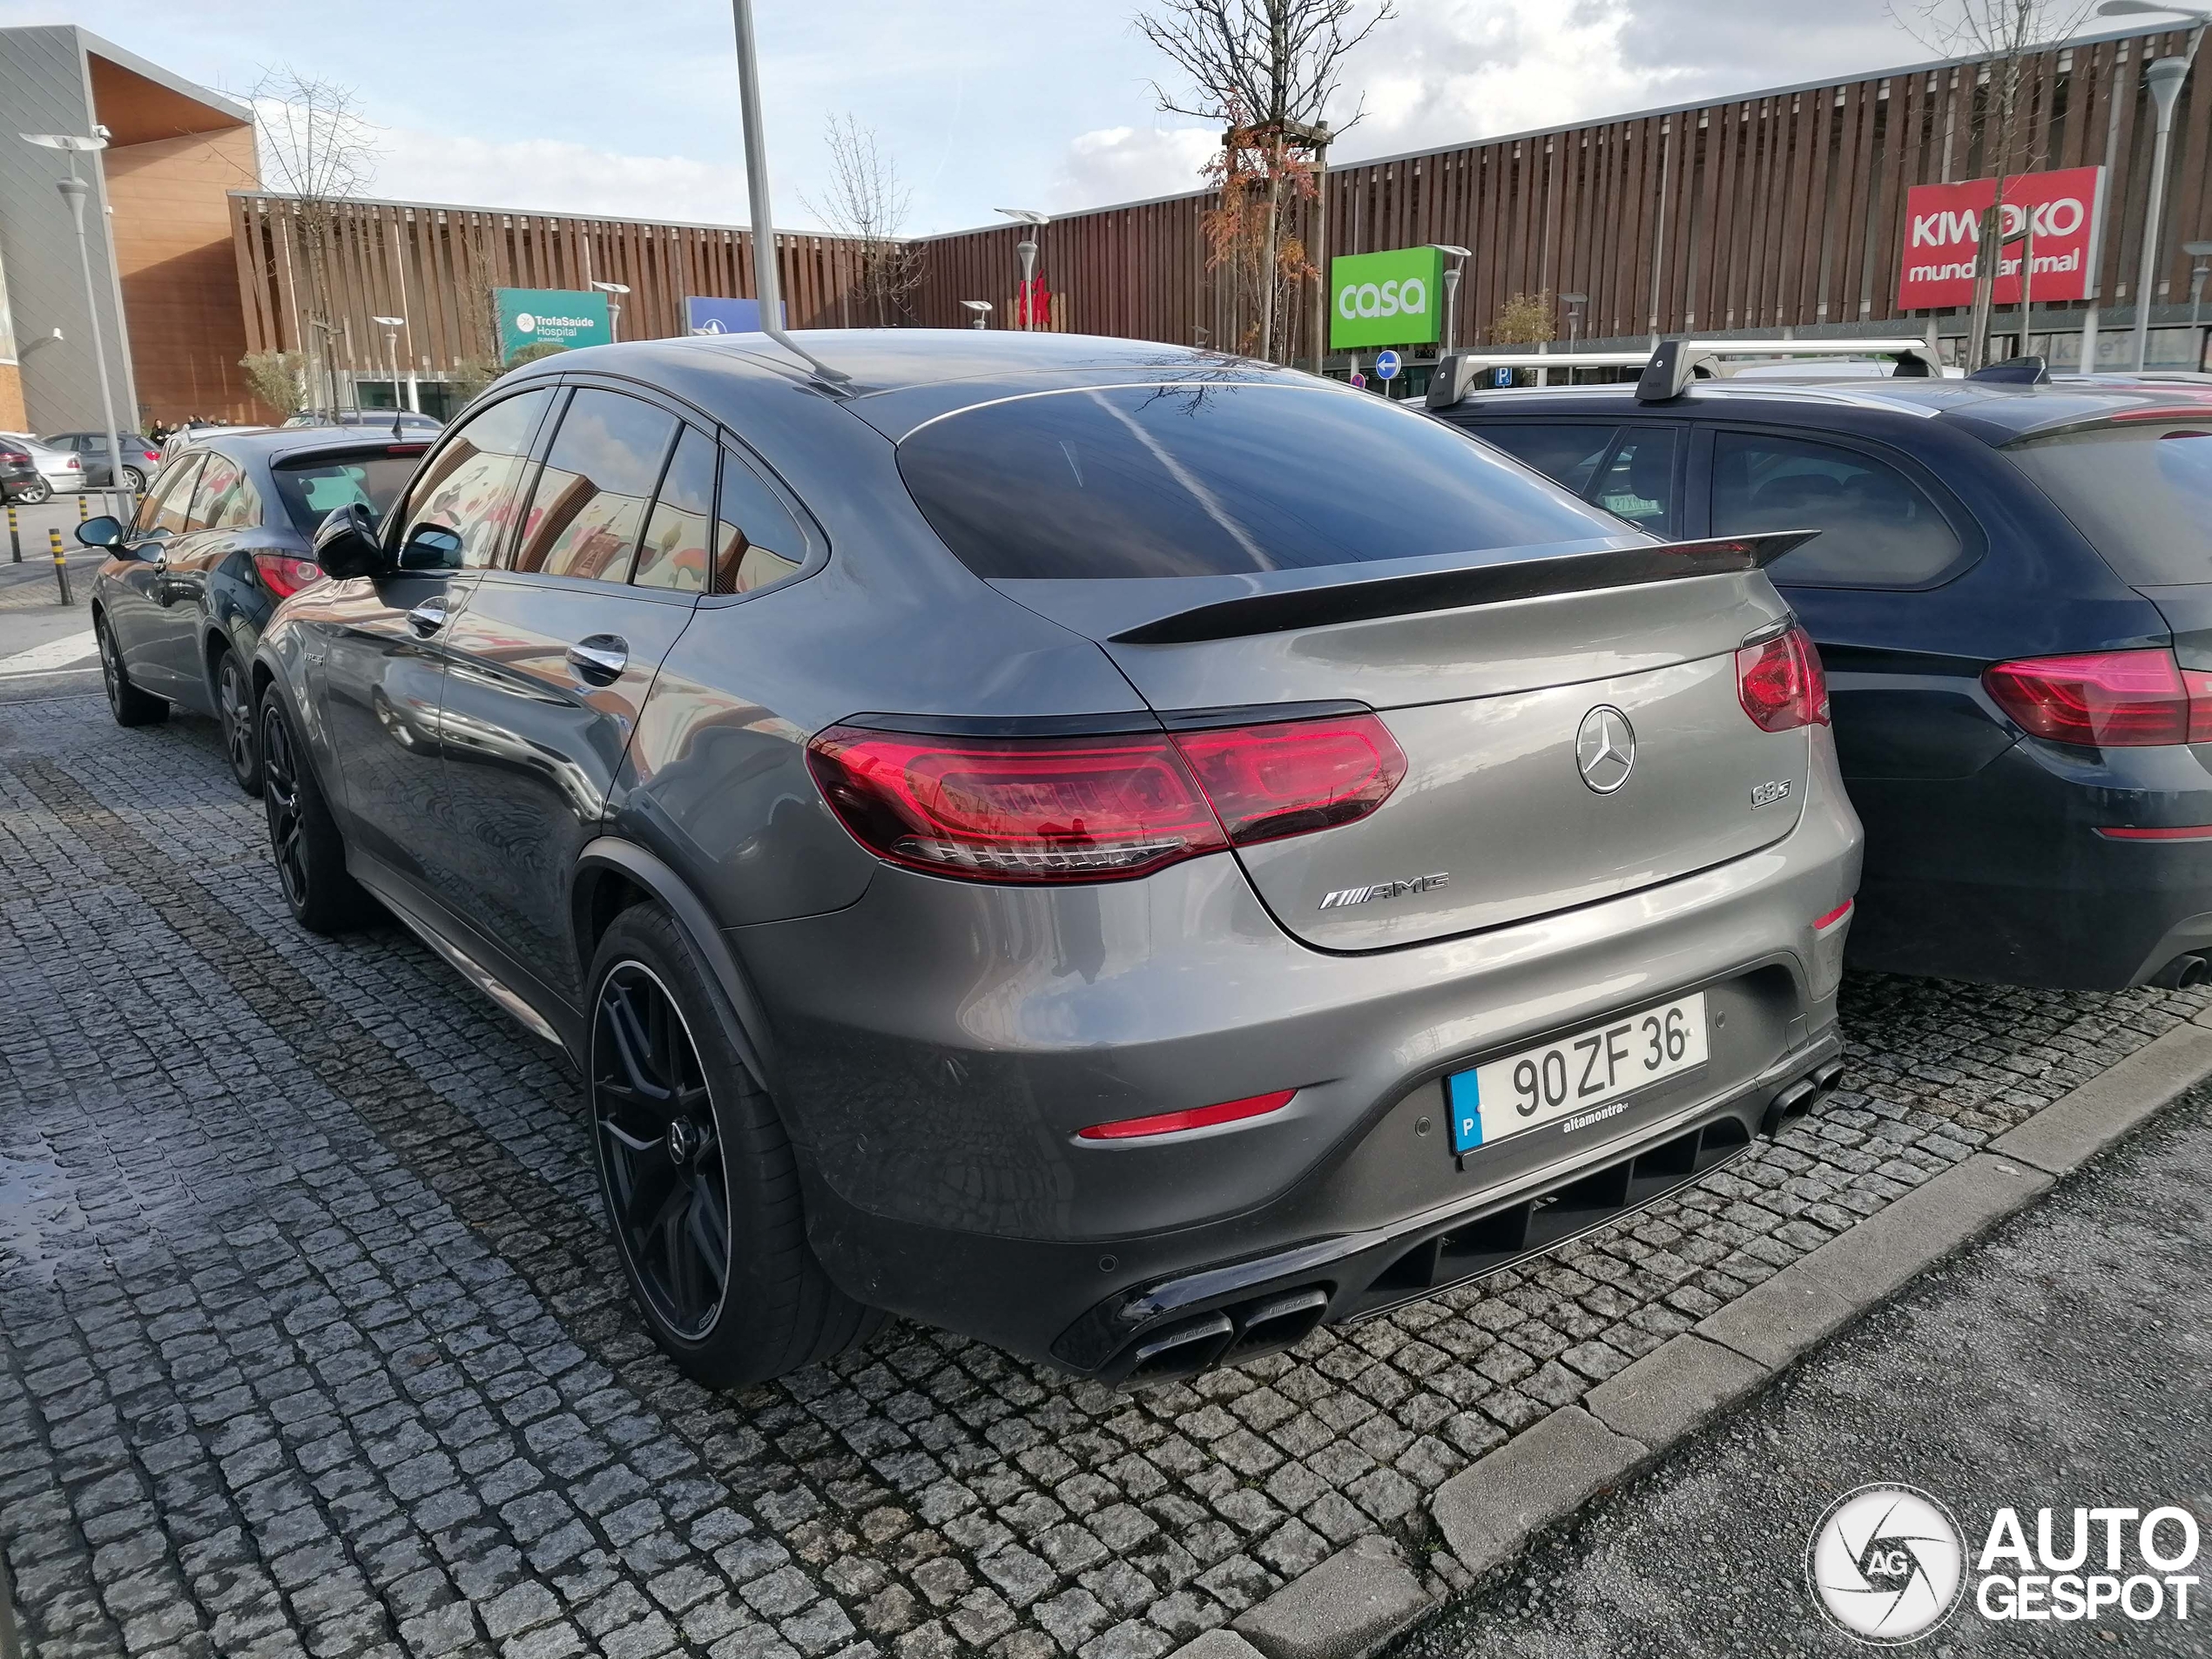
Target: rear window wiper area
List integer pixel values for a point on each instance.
(1487, 584)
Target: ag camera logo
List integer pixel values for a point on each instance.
(1886, 1564)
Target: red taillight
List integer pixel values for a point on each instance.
(2106, 700)
(1821, 924)
(285, 575)
(1780, 683)
(2157, 832)
(1270, 781)
(1090, 809)
(1229, 1111)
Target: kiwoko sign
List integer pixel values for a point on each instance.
(1943, 229)
(1393, 299)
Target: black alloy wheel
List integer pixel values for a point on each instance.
(281, 796)
(235, 711)
(304, 841)
(668, 1183)
(130, 705)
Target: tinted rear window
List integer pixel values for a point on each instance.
(1116, 482)
(313, 488)
(2142, 495)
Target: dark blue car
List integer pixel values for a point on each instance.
(2013, 594)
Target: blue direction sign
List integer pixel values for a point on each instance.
(1386, 365)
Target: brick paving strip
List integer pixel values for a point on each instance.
(311, 1337)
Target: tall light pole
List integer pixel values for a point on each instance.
(2200, 252)
(980, 310)
(1026, 251)
(74, 190)
(1574, 302)
(2165, 75)
(391, 325)
(614, 305)
(1458, 256)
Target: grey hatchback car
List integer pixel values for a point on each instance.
(1125, 852)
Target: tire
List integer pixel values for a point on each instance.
(37, 494)
(134, 481)
(309, 854)
(234, 713)
(725, 1182)
(130, 705)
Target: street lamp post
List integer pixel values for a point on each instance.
(1574, 302)
(981, 309)
(1026, 251)
(1459, 257)
(74, 190)
(391, 325)
(2200, 252)
(614, 304)
(2165, 75)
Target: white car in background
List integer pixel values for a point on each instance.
(193, 431)
(60, 470)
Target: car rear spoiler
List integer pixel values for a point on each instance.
(1480, 585)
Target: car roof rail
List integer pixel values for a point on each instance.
(1673, 365)
(2031, 370)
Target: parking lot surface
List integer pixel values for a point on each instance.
(312, 1339)
(2064, 1361)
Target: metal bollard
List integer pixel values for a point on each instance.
(61, 564)
(83, 511)
(15, 535)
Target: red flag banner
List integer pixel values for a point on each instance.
(1943, 226)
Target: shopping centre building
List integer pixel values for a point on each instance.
(1778, 211)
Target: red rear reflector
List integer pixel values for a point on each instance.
(1229, 1111)
(1090, 809)
(1832, 917)
(2160, 832)
(1780, 683)
(1270, 781)
(2106, 700)
(285, 575)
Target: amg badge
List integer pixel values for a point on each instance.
(1344, 896)
(1767, 794)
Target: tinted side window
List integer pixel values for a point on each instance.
(1638, 481)
(1877, 527)
(589, 504)
(1219, 480)
(458, 511)
(225, 498)
(674, 553)
(1558, 449)
(757, 541)
(168, 503)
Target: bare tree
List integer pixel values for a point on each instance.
(2005, 35)
(1524, 319)
(1268, 71)
(867, 205)
(317, 148)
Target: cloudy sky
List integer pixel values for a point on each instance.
(555, 105)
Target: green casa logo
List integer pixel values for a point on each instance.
(1390, 298)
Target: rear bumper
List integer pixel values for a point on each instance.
(938, 1045)
(2002, 876)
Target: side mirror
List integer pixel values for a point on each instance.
(346, 544)
(106, 530)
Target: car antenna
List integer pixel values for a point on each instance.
(765, 282)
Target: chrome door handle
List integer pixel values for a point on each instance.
(429, 616)
(599, 658)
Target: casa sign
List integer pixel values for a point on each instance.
(1393, 299)
(1943, 233)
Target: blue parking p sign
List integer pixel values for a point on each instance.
(1386, 365)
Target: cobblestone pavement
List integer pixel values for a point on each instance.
(311, 1337)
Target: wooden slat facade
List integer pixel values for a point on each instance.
(1780, 210)
(1777, 210)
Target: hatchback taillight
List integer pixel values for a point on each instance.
(283, 575)
(1780, 684)
(2105, 699)
(1098, 808)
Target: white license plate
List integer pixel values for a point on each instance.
(1575, 1077)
